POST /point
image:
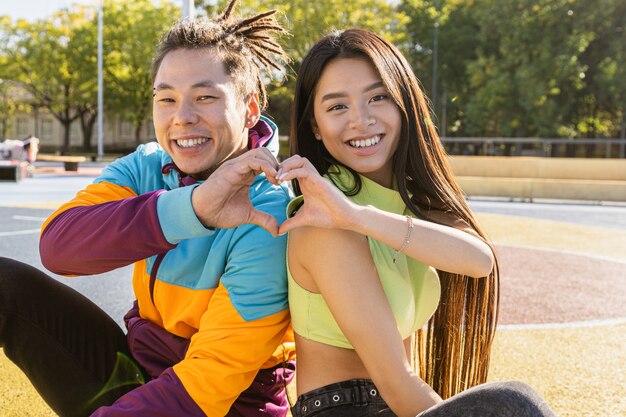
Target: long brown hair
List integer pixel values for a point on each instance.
(454, 350)
(246, 44)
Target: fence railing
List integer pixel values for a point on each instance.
(546, 147)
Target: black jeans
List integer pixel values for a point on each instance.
(356, 397)
(74, 354)
(360, 398)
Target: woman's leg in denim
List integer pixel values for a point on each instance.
(495, 399)
(74, 354)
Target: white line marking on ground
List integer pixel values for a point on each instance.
(20, 232)
(30, 218)
(563, 251)
(570, 325)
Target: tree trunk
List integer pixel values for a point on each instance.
(66, 136)
(87, 122)
(66, 120)
(139, 118)
(3, 129)
(138, 133)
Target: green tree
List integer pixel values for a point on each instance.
(602, 98)
(131, 32)
(308, 21)
(11, 101)
(51, 61)
(453, 24)
(523, 67)
(526, 68)
(83, 42)
(12, 98)
(548, 68)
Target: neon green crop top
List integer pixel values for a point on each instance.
(412, 287)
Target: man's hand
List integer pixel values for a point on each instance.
(223, 200)
(325, 205)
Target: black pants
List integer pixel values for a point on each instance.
(74, 354)
(360, 398)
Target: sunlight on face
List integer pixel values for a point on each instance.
(356, 118)
(199, 115)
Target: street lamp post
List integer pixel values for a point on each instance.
(100, 89)
(433, 90)
(188, 9)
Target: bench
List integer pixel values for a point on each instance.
(70, 163)
(532, 178)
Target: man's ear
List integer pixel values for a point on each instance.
(253, 110)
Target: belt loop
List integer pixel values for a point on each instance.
(365, 393)
(356, 395)
(359, 394)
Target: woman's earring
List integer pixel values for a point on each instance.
(318, 136)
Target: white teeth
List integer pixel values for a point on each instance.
(365, 142)
(188, 143)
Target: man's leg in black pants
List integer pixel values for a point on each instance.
(74, 354)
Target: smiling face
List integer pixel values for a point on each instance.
(201, 119)
(356, 119)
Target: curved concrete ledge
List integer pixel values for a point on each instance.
(531, 178)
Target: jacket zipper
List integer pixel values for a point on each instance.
(153, 273)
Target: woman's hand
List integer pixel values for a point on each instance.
(324, 205)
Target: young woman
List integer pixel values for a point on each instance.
(383, 241)
(209, 330)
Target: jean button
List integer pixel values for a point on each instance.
(336, 398)
(318, 403)
(373, 392)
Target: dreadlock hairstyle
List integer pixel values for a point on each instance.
(453, 352)
(246, 45)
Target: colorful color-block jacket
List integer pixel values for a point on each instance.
(211, 305)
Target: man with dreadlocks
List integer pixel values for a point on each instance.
(197, 213)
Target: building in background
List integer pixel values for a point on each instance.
(29, 120)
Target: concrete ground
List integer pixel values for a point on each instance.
(563, 297)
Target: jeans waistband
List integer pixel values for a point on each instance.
(357, 392)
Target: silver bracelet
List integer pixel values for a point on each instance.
(407, 238)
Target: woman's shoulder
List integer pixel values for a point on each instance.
(308, 245)
(310, 237)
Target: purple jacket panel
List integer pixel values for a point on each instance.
(266, 396)
(162, 397)
(107, 236)
(157, 350)
(154, 348)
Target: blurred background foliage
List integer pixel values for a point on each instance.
(492, 68)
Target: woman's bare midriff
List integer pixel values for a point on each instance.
(319, 364)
